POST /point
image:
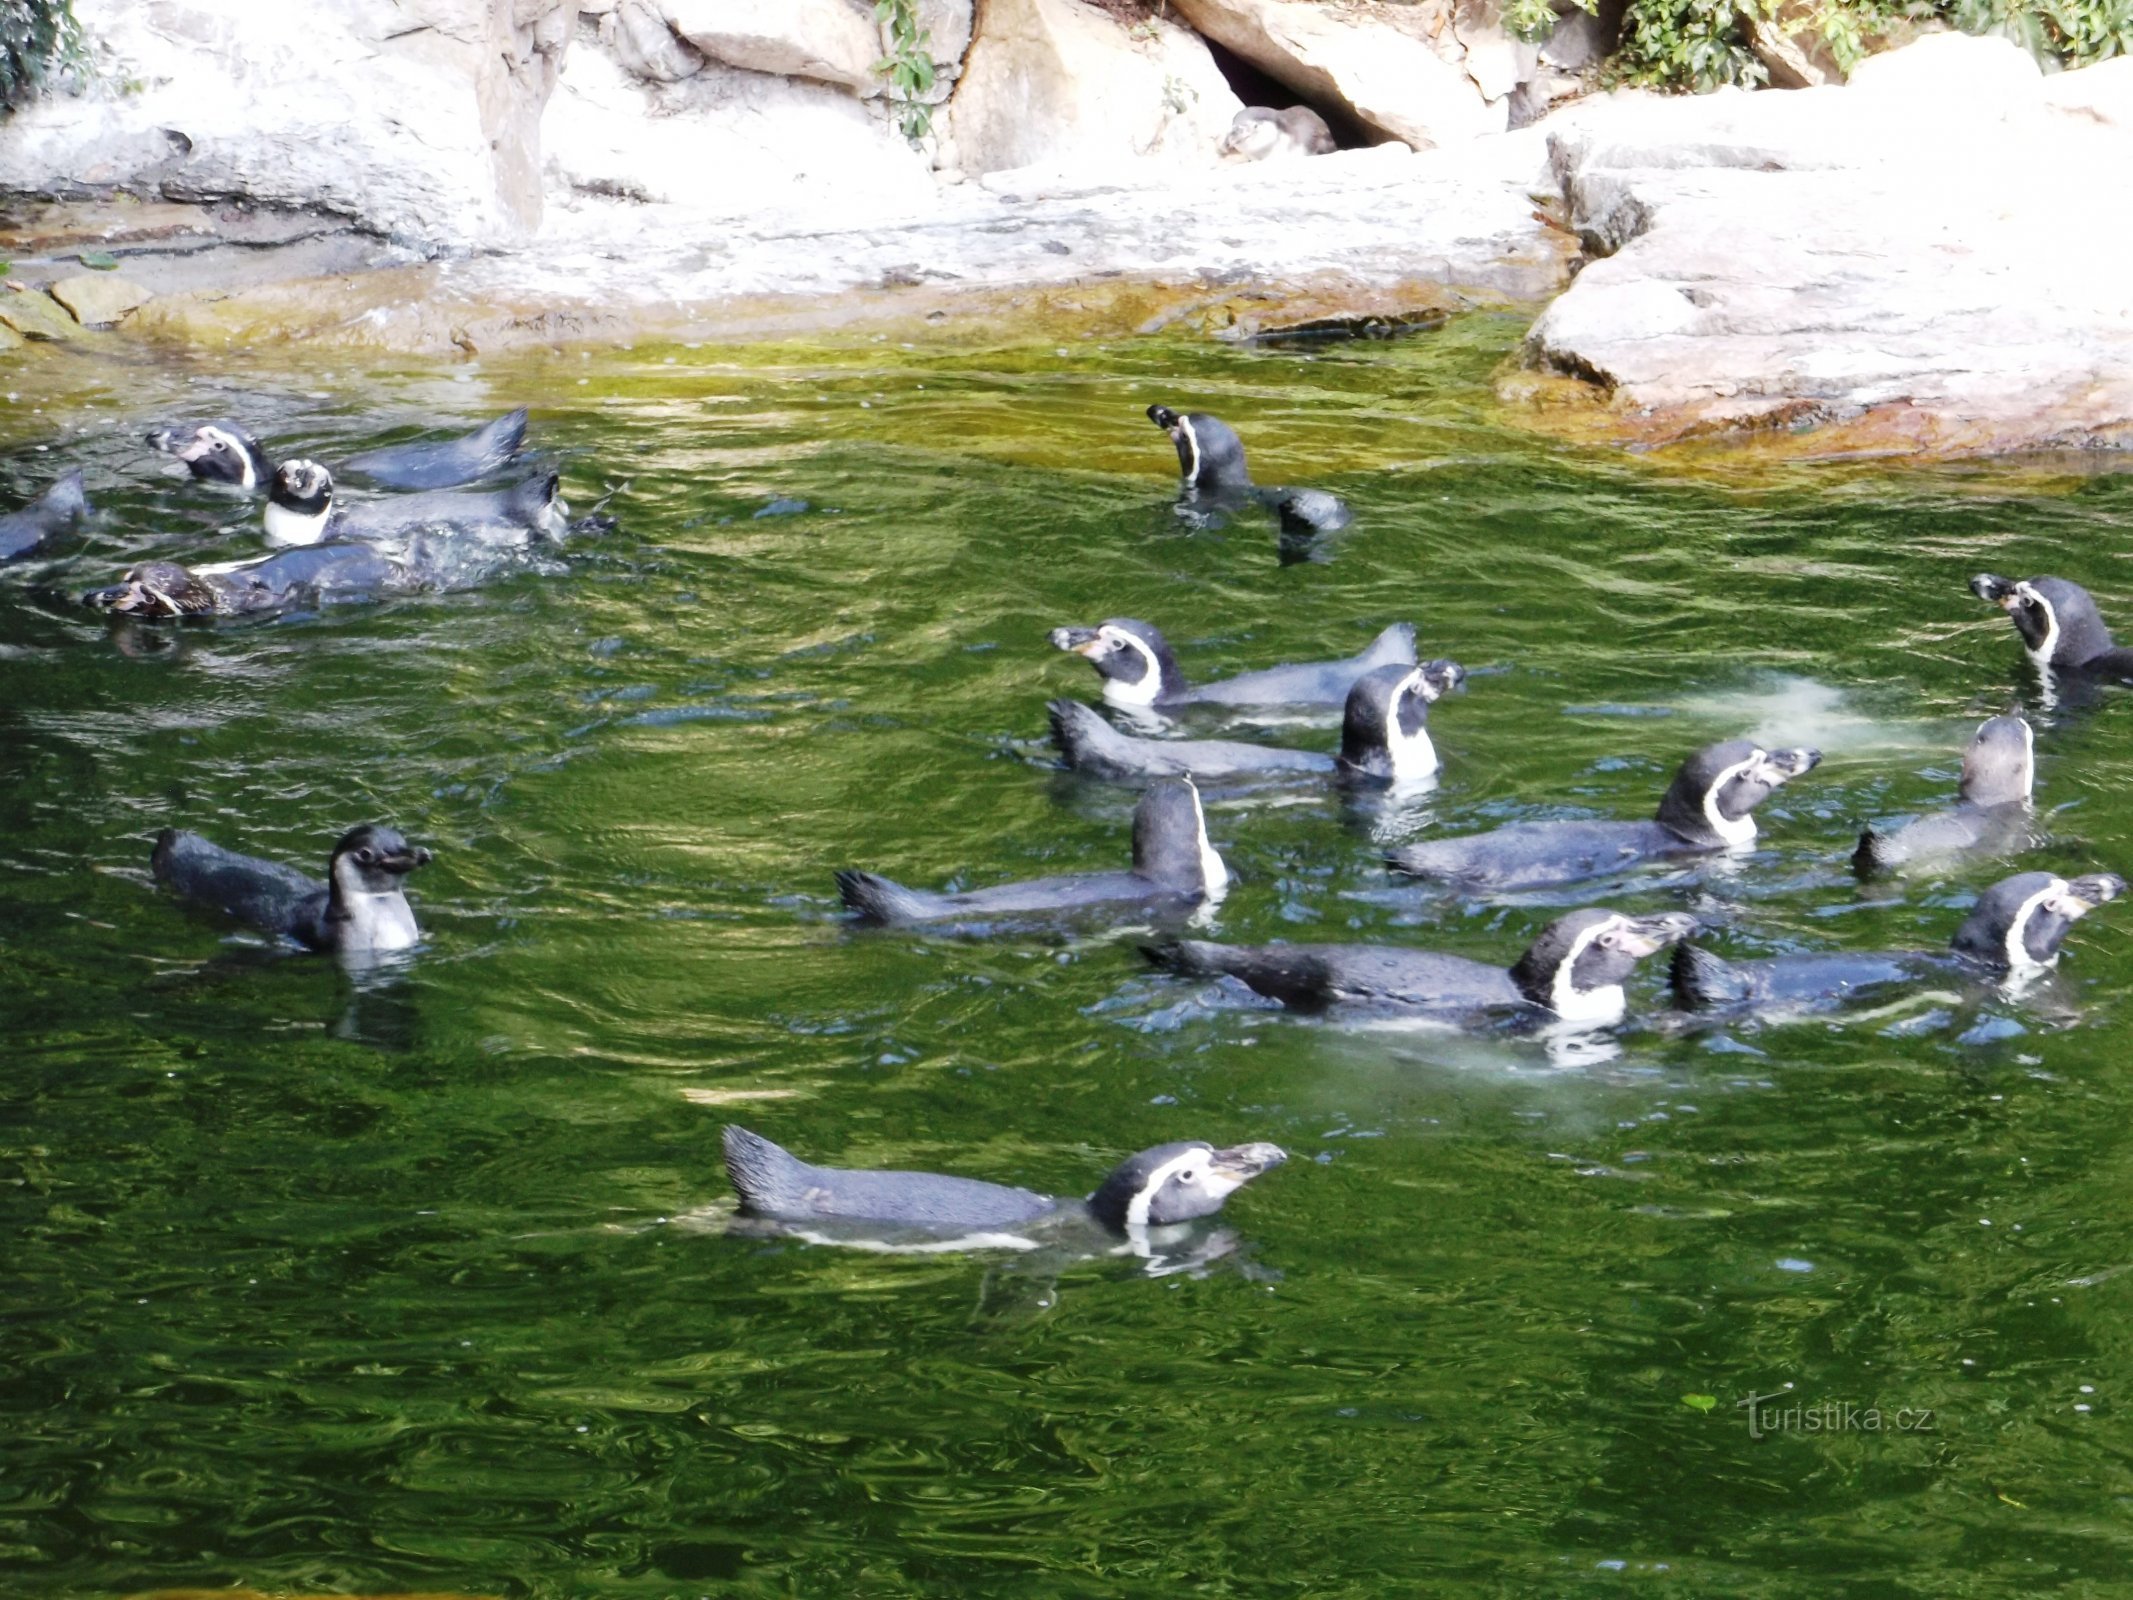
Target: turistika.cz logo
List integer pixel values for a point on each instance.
(1768, 1414)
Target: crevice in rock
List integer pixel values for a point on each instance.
(1257, 87)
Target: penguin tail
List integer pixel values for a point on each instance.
(1872, 855)
(1394, 647)
(873, 898)
(767, 1178)
(1704, 982)
(66, 499)
(1084, 738)
(163, 860)
(502, 438)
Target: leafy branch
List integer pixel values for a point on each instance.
(908, 65)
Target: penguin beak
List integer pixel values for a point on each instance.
(1165, 418)
(2085, 894)
(405, 861)
(1997, 590)
(133, 598)
(1440, 678)
(1242, 1163)
(1082, 641)
(1789, 764)
(1647, 934)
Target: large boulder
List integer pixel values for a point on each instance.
(1884, 264)
(1060, 83)
(836, 42)
(1378, 66)
(416, 118)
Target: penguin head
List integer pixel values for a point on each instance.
(1133, 659)
(1170, 842)
(2020, 922)
(1385, 723)
(373, 859)
(1254, 134)
(221, 452)
(1577, 966)
(299, 503)
(2058, 621)
(1178, 1182)
(1713, 797)
(155, 589)
(1210, 455)
(2000, 767)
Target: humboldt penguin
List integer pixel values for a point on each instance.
(225, 452)
(1212, 473)
(1991, 814)
(1140, 674)
(360, 907)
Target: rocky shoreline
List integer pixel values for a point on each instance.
(1911, 262)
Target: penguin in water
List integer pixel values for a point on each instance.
(58, 509)
(1174, 870)
(224, 452)
(1140, 673)
(1160, 1187)
(1573, 972)
(1213, 476)
(360, 909)
(1709, 807)
(302, 510)
(2013, 933)
(1991, 814)
(1384, 738)
(2062, 631)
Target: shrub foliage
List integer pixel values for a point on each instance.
(34, 36)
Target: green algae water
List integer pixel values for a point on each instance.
(421, 1282)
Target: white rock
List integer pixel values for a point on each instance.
(829, 41)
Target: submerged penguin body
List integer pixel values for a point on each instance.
(1140, 672)
(60, 508)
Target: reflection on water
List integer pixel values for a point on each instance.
(335, 1285)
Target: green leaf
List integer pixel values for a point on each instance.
(99, 260)
(1700, 1402)
(6, 267)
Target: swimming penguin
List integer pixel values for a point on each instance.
(1259, 133)
(2061, 629)
(58, 509)
(361, 907)
(1573, 971)
(1140, 673)
(1174, 870)
(1709, 807)
(224, 452)
(1160, 1187)
(302, 509)
(2014, 931)
(1991, 805)
(1212, 470)
(1384, 737)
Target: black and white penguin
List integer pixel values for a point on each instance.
(225, 452)
(1174, 870)
(1211, 470)
(1260, 133)
(1140, 673)
(1991, 812)
(1384, 738)
(2014, 932)
(1160, 1187)
(1574, 971)
(302, 510)
(1709, 807)
(2061, 629)
(59, 508)
(361, 907)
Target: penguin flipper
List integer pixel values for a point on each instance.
(1705, 982)
(1091, 745)
(877, 899)
(445, 465)
(1873, 854)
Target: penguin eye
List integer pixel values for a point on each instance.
(1188, 1176)
(366, 856)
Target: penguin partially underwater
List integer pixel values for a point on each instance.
(225, 452)
(61, 507)
(1709, 807)
(1574, 971)
(1160, 1187)
(2062, 631)
(302, 509)
(1384, 738)
(1174, 870)
(359, 908)
(1140, 673)
(2014, 932)
(1991, 814)
(1213, 475)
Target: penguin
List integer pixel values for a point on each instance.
(59, 508)
(2014, 932)
(360, 909)
(224, 452)
(1384, 737)
(1259, 133)
(1573, 972)
(2061, 629)
(1140, 673)
(1991, 805)
(1211, 471)
(302, 510)
(1709, 807)
(1174, 870)
(1159, 1187)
